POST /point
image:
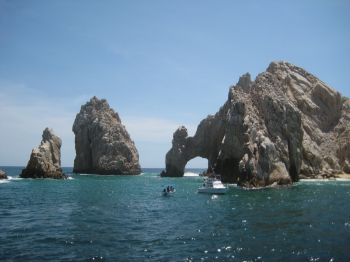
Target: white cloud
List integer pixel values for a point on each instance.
(151, 129)
(153, 138)
(25, 112)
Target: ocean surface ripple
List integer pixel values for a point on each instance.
(125, 218)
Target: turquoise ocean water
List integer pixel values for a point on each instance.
(123, 218)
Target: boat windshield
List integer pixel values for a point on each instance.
(214, 177)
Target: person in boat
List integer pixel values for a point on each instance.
(210, 171)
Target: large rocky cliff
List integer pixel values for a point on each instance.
(284, 125)
(45, 160)
(102, 144)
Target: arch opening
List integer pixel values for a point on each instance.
(196, 166)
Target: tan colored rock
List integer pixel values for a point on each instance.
(283, 124)
(3, 174)
(102, 144)
(45, 160)
(279, 175)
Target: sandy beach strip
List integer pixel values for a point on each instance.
(343, 176)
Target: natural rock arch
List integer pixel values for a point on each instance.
(185, 148)
(284, 124)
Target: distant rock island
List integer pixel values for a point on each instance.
(285, 125)
(45, 160)
(3, 174)
(102, 144)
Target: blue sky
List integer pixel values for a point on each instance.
(160, 64)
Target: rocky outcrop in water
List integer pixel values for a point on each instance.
(102, 144)
(285, 124)
(45, 160)
(3, 174)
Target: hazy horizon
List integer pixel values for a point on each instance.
(159, 64)
(187, 168)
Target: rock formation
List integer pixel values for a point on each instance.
(45, 160)
(284, 125)
(102, 144)
(3, 174)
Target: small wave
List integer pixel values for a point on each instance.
(254, 188)
(94, 175)
(14, 178)
(4, 181)
(103, 175)
(190, 174)
(323, 180)
(269, 187)
(315, 180)
(70, 178)
(342, 179)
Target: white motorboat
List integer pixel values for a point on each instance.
(213, 185)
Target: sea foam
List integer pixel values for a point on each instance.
(190, 174)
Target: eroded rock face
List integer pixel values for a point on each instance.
(284, 124)
(3, 174)
(102, 144)
(45, 160)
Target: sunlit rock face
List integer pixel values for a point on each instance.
(45, 160)
(102, 144)
(283, 125)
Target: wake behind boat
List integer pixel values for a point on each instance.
(213, 185)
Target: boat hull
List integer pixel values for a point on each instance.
(168, 193)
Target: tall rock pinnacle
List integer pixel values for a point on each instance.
(45, 160)
(102, 144)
